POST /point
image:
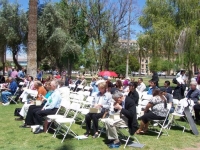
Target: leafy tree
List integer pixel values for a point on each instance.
(13, 24)
(133, 63)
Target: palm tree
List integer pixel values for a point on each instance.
(32, 39)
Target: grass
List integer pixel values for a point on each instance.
(15, 138)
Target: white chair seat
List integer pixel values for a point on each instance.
(54, 117)
(104, 120)
(176, 114)
(123, 126)
(65, 120)
(84, 111)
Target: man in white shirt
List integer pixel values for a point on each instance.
(141, 86)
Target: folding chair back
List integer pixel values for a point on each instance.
(87, 88)
(12, 97)
(163, 123)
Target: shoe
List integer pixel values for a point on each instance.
(19, 119)
(86, 134)
(116, 145)
(24, 126)
(38, 131)
(6, 104)
(95, 135)
(109, 142)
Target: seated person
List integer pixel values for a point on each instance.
(101, 101)
(2, 78)
(94, 88)
(127, 108)
(152, 87)
(36, 113)
(158, 105)
(41, 92)
(25, 108)
(167, 86)
(77, 82)
(148, 96)
(193, 93)
(8, 91)
(169, 98)
(119, 85)
(179, 89)
(141, 86)
(133, 94)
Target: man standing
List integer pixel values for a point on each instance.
(127, 108)
(141, 86)
(8, 91)
(155, 78)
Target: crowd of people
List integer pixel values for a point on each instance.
(121, 96)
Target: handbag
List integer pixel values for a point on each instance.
(94, 110)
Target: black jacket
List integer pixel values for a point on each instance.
(179, 92)
(129, 111)
(134, 96)
(155, 77)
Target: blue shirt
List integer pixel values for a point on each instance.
(21, 74)
(150, 91)
(13, 86)
(95, 87)
(53, 100)
(48, 94)
(39, 75)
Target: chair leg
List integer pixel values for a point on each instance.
(127, 141)
(49, 126)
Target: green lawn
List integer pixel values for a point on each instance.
(15, 138)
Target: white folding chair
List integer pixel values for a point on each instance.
(66, 123)
(80, 87)
(87, 88)
(12, 97)
(72, 86)
(85, 108)
(177, 113)
(51, 118)
(162, 123)
(125, 135)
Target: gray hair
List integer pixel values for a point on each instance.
(117, 94)
(38, 83)
(55, 83)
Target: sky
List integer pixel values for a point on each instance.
(136, 27)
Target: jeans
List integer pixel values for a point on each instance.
(4, 96)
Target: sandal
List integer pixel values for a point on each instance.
(95, 135)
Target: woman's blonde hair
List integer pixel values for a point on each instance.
(102, 85)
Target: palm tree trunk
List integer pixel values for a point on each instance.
(32, 39)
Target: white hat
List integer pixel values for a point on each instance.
(128, 78)
(193, 83)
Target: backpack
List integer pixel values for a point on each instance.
(16, 112)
